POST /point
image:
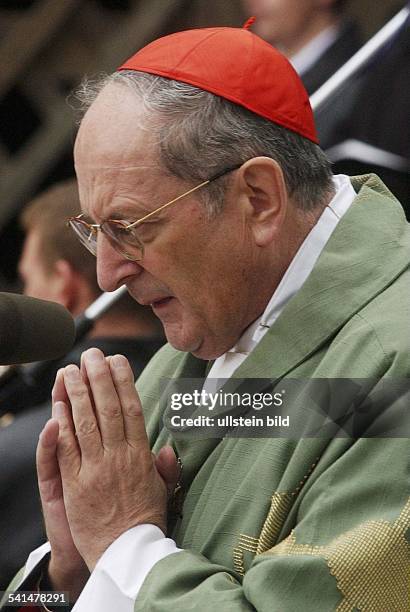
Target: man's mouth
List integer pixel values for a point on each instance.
(150, 298)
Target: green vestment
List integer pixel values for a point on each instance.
(314, 524)
(282, 525)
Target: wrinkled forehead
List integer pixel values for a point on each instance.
(114, 128)
(114, 153)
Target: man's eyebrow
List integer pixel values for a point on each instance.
(122, 213)
(129, 209)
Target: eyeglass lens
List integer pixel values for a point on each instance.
(125, 241)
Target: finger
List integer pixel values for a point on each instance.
(84, 374)
(106, 401)
(51, 490)
(85, 422)
(63, 413)
(168, 467)
(123, 379)
(68, 451)
(49, 480)
(59, 393)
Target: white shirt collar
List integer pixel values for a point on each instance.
(304, 59)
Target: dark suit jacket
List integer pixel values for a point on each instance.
(380, 115)
(345, 45)
(329, 118)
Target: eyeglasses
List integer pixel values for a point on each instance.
(122, 235)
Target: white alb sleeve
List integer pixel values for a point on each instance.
(118, 576)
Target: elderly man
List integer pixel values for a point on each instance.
(204, 191)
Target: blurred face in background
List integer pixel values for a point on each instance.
(39, 279)
(286, 23)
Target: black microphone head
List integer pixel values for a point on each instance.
(33, 329)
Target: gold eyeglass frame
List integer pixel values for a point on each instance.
(95, 227)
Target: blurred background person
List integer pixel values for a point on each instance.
(375, 135)
(318, 38)
(52, 267)
(363, 127)
(315, 35)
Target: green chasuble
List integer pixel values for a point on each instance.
(317, 524)
(314, 524)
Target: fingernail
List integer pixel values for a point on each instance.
(94, 355)
(72, 373)
(119, 361)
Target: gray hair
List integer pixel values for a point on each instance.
(200, 134)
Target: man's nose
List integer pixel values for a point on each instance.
(112, 267)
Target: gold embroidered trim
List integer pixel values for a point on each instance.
(344, 607)
(371, 564)
(278, 511)
(245, 543)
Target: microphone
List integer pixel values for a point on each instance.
(33, 329)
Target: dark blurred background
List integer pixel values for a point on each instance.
(47, 46)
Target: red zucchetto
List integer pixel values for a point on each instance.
(235, 64)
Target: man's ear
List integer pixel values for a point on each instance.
(65, 283)
(263, 186)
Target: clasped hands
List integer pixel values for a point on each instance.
(97, 475)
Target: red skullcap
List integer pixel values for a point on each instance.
(235, 64)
